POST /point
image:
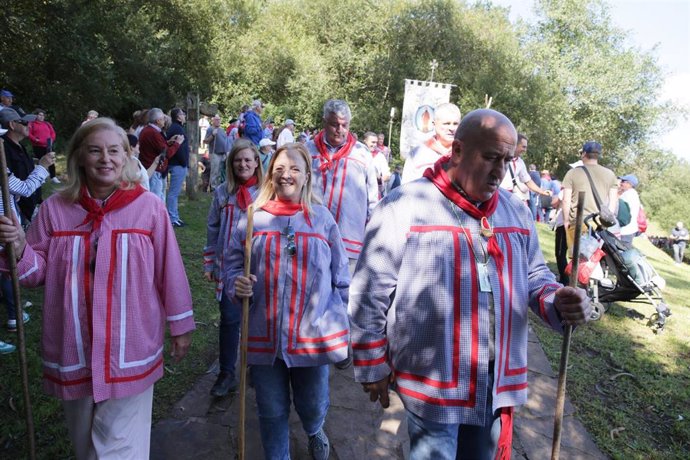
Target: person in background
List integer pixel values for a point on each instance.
(395, 179)
(41, 133)
(103, 346)
(297, 255)
(19, 163)
(142, 173)
(383, 172)
(679, 239)
(90, 115)
(177, 165)
(423, 156)
(217, 143)
(253, 126)
(628, 193)
(534, 197)
(265, 152)
(286, 134)
(230, 202)
(152, 144)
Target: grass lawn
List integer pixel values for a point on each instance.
(631, 387)
(642, 415)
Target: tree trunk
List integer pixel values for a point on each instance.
(193, 136)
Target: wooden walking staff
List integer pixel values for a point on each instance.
(565, 347)
(21, 343)
(244, 333)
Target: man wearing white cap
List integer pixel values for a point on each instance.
(286, 135)
(627, 193)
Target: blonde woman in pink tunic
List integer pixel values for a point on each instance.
(106, 253)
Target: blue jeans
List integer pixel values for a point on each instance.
(8, 294)
(177, 175)
(157, 185)
(228, 334)
(450, 441)
(309, 393)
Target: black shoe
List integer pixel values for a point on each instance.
(224, 384)
(178, 224)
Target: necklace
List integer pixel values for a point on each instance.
(482, 265)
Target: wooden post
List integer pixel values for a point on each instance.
(193, 138)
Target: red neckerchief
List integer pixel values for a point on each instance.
(244, 198)
(436, 146)
(286, 208)
(95, 213)
(375, 151)
(482, 213)
(328, 161)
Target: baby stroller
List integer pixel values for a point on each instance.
(615, 271)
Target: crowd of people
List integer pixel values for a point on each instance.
(423, 287)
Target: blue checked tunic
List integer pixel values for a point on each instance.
(299, 307)
(349, 190)
(223, 216)
(417, 309)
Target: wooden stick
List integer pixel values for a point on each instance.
(245, 331)
(21, 342)
(565, 347)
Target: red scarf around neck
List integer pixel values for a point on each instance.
(440, 179)
(244, 198)
(328, 161)
(95, 213)
(286, 208)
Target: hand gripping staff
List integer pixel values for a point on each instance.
(245, 331)
(565, 347)
(21, 343)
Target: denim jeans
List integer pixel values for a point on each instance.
(450, 441)
(228, 334)
(177, 175)
(157, 185)
(309, 393)
(8, 295)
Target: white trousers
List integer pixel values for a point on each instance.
(112, 429)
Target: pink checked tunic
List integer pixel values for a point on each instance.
(299, 307)
(223, 216)
(109, 344)
(434, 334)
(349, 190)
(419, 159)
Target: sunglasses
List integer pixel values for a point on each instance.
(21, 122)
(289, 233)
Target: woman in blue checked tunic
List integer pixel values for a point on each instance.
(230, 202)
(298, 317)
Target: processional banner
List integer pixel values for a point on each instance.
(421, 99)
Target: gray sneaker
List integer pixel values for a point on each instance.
(319, 447)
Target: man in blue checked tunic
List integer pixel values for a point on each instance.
(439, 300)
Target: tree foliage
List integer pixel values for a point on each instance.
(568, 78)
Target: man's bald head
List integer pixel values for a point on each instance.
(478, 123)
(484, 143)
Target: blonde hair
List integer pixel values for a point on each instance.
(237, 146)
(76, 151)
(267, 193)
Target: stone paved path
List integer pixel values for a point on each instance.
(204, 428)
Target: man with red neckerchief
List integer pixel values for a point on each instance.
(344, 176)
(438, 304)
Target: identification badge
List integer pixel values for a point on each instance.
(483, 274)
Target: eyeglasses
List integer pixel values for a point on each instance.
(290, 247)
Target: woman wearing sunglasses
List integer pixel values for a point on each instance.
(298, 315)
